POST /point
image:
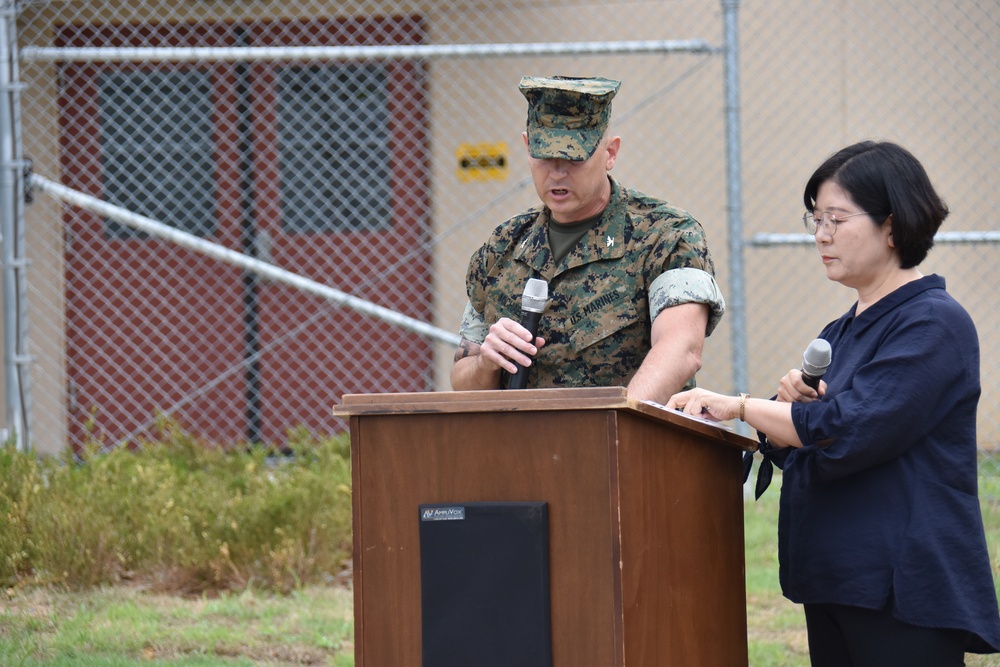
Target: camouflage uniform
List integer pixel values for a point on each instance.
(644, 255)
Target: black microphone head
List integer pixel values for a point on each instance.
(536, 295)
(816, 358)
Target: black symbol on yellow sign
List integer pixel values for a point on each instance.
(482, 162)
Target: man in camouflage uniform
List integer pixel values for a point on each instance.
(632, 294)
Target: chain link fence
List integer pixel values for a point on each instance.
(241, 211)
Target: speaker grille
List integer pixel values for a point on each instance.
(484, 579)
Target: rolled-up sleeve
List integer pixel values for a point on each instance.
(687, 285)
(473, 327)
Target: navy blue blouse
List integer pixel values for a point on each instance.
(881, 502)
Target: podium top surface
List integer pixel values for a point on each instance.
(532, 400)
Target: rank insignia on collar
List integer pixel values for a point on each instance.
(610, 241)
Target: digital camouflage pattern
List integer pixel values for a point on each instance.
(687, 285)
(567, 116)
(598, 321)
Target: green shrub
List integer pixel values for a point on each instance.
(19, 481)
(179, 513)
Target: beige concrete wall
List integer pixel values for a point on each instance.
(44, 241)
(884, 79)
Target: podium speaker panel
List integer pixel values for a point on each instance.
(484, 575)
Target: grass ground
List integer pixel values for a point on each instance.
(128, 625)
(125, 625)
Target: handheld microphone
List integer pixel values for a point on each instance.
(815, 361)
(533, 300)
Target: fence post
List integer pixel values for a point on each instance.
(734, 186)
(11, 234)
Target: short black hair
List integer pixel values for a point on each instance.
(885, 179)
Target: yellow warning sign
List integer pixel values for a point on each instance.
(482, 162)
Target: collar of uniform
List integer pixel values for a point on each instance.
(533, 248)
(607, 239)
(604, 241)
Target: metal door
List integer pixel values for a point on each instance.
(255, 156)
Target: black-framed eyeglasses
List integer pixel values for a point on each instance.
(827, 220)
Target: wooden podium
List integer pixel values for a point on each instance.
(645, 511)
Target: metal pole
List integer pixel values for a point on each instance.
(734, 186)
(249, 239)
(11, 168)
(765, 240)
(421, 51)
(223, 254)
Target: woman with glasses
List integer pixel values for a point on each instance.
(880, 534)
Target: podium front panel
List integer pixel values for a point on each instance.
(563, 458)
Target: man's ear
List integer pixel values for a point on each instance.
(614, 145)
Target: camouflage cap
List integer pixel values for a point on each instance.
(567, 116)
